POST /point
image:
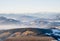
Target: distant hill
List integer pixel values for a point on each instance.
(4, 20)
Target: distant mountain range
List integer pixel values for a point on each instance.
(47, 15)
(4, 20)
(37, 19)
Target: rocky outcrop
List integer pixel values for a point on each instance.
(27, 33)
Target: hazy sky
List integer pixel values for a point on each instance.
(29, 6)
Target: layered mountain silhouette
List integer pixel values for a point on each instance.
(29, 21)
(4, 20)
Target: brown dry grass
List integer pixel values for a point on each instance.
(4, 34)
(30, 38)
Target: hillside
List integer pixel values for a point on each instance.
(23, 33)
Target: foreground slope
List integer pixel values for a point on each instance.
(26, 34)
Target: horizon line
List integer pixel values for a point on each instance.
(28, 13)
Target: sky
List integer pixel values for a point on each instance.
(29, 6)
